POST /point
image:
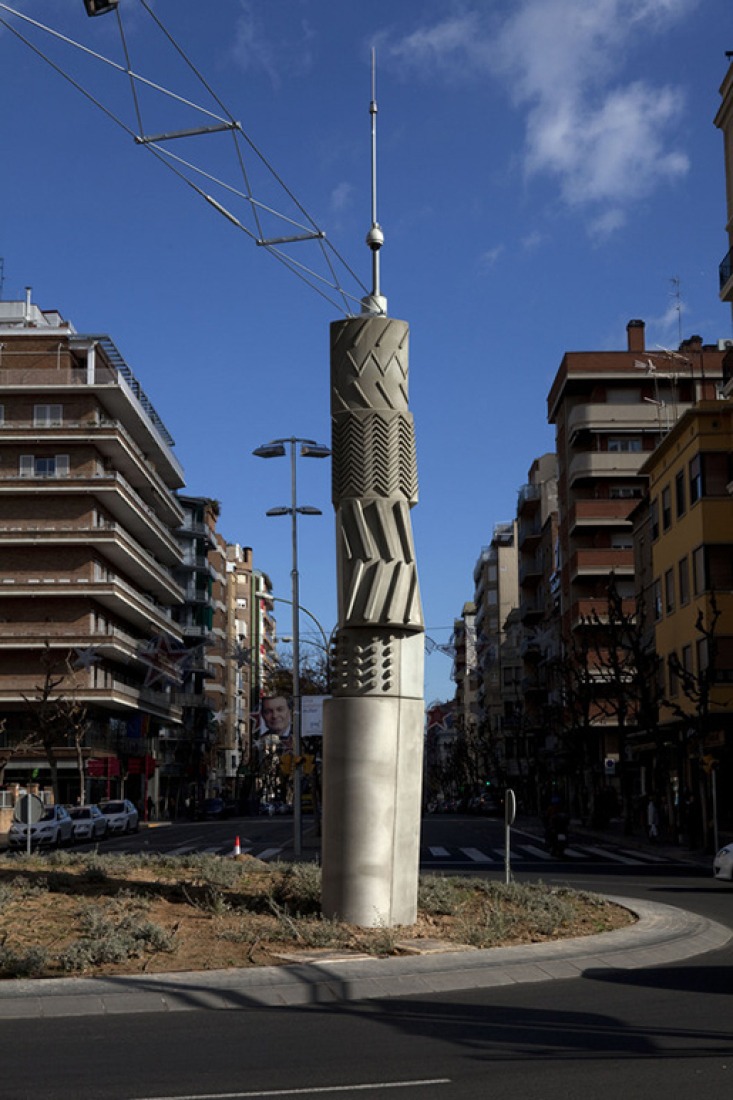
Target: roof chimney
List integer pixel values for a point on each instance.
(635, 335)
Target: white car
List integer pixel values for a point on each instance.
(89, 823)
(54, 827)
(723, 863)
(120, 815)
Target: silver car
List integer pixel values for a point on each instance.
(89, 823)
(723, 863)
(54, 827)
(120, 815)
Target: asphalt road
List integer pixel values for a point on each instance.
(630, 1033)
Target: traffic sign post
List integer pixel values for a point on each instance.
(510, 812)
(29, 808)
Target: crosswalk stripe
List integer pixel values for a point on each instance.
(439, 851)
(477, 856)
(269, 852)
(539, 852)
(647, 857)
(615, 857)
(574, 853)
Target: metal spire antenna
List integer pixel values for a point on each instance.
(374, 302)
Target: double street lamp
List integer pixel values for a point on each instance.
(276, 448)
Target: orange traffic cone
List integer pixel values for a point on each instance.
(237, 849)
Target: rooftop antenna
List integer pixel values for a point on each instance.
(677, 295)
(374, 302)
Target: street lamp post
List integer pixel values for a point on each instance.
(308, 449)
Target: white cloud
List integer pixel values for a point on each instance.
(490, 256)
(287, 49)
(341, 196)
(606, 141)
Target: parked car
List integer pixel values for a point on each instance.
(121, 816)
(723, 863)
(54, 827)
(218, 808)
(89, 822)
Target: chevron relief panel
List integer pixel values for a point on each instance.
(369, 374)
(374, 455)
(376, 565)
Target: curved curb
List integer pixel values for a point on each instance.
(663, 934)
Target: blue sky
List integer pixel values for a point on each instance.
(548, 170)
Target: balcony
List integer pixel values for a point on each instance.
(609, 417)
(584, 610)
(590, 465)
(602, 513)
(528, 498)
(115, 545)
(530, 572)
(595, 562)
(529, 531)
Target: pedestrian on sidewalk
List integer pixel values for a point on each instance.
(652, 818)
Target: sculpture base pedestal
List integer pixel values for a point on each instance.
(372, 790)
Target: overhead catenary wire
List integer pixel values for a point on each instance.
(330, 286)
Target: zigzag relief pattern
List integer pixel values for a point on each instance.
(369, 374)
(374, 455)
(376, 563)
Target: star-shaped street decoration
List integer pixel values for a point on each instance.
(241, 655)
(85, 658)
(218, 716)
(164, 657)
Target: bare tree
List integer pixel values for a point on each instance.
(59, 719)
(698, 710)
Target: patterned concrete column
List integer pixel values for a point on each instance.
(373, 724)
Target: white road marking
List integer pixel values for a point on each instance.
(647, 857)
(314, 1091)
(477, 856)
(267, 853)
(539, 852)
(615, 857)
(439, 851)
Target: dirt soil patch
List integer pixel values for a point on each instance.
(68, 914)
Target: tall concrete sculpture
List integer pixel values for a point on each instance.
(373, 724)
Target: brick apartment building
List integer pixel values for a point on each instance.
(88, 520)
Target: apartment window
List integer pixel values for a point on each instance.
(2, 414)
(46, 466)
(674, 683)
(715, 474)
(657, 596)
(679, 490)
(712, 568)
(687, 659)
(698, 570)
(669, 591)
(628, 444)
(654, 518)
(723, 661)
(683, 573)
(47, 416)
(666, 508)
(624, 492)
(695, 479)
